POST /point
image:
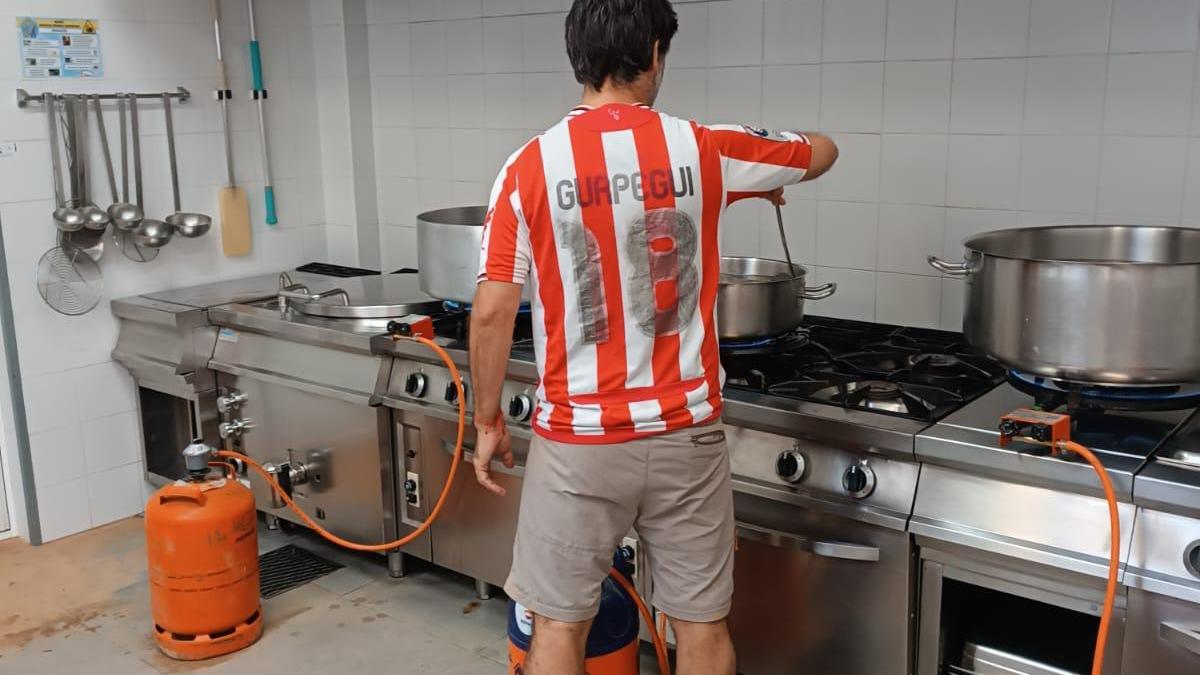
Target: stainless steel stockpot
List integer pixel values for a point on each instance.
(758, 297)
(1094, 304)
(448, 244)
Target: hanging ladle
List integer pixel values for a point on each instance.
(125, 216)
(186, 224)
(94, 217)
(67, 217)
(149, 233)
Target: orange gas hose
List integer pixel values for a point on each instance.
(660, 648)
(437, 507)
(1114, 556)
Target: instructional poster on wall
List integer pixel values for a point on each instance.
(59, 48)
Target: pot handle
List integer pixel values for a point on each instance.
(960, 269)
(818, 292)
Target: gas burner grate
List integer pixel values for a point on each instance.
(887, 396)
(909, 372)
(289, 567)
(340, 271)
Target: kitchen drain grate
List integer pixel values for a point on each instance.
(286, 568)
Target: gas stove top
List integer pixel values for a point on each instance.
(913, 373)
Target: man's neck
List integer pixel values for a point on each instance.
(608, 94)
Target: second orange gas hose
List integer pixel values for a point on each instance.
(1114, 556)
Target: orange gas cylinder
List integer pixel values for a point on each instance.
(202, 549)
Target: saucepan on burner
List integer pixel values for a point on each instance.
(1092, 304)
(757, 297)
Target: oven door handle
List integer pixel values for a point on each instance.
(1184, 637)
(823, 547)
(468, 456)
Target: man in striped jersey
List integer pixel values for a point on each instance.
(612, 216)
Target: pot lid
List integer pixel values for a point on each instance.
(374, 297)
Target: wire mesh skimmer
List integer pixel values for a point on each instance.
(69, 281)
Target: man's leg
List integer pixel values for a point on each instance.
(577, 503)
(557, 648)
(703, 648)
(685, 524)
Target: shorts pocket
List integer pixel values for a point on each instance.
(714, 437)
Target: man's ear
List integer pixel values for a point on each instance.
(656, 61)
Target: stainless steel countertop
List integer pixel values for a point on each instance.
(247, 289)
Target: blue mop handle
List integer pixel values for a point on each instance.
(256, 73)
(256, 66)
(269, 196)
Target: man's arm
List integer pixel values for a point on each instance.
(758, 160)
(492, 316)
(824, 154)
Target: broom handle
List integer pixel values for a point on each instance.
(223, 92)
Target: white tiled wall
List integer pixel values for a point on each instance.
(80, 405)
(953, 117)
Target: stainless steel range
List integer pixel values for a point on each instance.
(879, 523)
(1014, 542)
(822, 430)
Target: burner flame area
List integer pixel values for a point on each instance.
(894, 397)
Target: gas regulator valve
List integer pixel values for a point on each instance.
(287, 475)
(231, 401)
(234, 428)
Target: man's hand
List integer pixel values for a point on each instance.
(774, 196)
(491, 441)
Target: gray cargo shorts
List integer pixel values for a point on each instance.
(579, 501)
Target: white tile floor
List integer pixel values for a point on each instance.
(355, 620)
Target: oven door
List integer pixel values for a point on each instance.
(816, 593)
(474, 532)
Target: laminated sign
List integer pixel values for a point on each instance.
(53, 48)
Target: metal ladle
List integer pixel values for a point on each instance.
(67, 217)
(125, 216)
(94, 217)
(149, 233)
(783, 238)
(186, 224)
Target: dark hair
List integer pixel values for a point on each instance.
(615, 38)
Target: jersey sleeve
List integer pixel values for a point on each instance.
(505, 254)
(757, 160)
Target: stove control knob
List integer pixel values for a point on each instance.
(415, 385)
(451, 393)
(790, 466)
(520, 407)
(859, 480)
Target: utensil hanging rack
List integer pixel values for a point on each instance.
(24, 98)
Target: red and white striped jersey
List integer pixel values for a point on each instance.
(614, 215)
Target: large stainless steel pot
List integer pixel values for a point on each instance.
(448, 244)
(757, 297)
(1099, 304)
